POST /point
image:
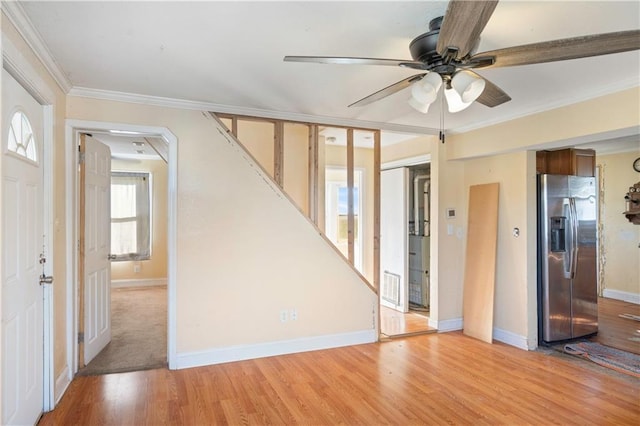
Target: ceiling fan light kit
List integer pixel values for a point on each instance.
(468, 86)
(419, 106)
(425, 91)
(447, 52)
(454, 100)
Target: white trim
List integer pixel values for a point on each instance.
(513, 339)
(14, 61)
(433, 323)
(16, 15)
(142, 282)
(72, 128)
(406, 162)
(454, 324)
(62, 383)
(282, 347)
(110, 95)
(49, 229)
(622, 295)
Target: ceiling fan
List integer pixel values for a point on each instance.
(446, 55)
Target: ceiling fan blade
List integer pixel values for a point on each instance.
(388, 91)
(356, 61)
(560, 50)
(492, 95)
(462, 24)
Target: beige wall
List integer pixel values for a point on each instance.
(40, 78)
(236, 254)
(619, 238)
(257, 137)
(586, 121)
(516, 258)
(407, 149)
(156, 267)
(296, 164)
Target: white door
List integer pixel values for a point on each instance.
(22, 245)
(394, 236)
(96, 241)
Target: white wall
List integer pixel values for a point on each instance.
(244, 252)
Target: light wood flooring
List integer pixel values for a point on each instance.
(397, 324)
(615, 331)
(445, 378)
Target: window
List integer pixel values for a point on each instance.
(130, 216)
(21, 139)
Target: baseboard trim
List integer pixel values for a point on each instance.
(433, 323)
(512, 339)
(62, 383)
(262, 350)
(622, 295)
(144, 282)
(449, 325)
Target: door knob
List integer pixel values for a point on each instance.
(111, 257)
(44, 279)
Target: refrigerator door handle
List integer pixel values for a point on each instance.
(567, 256)
(573, 223)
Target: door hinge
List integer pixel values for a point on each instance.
(80, 337)
(80, 157)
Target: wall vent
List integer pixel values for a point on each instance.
(391, 287)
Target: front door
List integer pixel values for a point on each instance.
(22, 249)
(95, 244)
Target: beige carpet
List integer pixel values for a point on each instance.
(138, 332)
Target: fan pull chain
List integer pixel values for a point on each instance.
(442, 136)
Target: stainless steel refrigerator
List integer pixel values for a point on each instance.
(567, 257)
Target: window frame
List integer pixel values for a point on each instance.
(146, 252)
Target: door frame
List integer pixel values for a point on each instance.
(15, 64)
(73, 128)
(434, 235)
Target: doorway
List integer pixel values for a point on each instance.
(138, 258)
(169, 153)
(405, 253)
(27, 256)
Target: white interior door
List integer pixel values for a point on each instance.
(22, 245)
(97, 244)
(394, 236)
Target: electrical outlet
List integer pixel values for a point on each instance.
(284, 315)
(293, 314)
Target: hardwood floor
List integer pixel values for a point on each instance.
(615, 331)
(397, 324)
(435, 379)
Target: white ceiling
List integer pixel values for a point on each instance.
(230, 54)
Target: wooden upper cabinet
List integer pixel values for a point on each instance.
(570, 161)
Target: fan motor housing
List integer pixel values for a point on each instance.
(423, 47)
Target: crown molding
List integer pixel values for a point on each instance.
(110, 95)
(15, 13)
